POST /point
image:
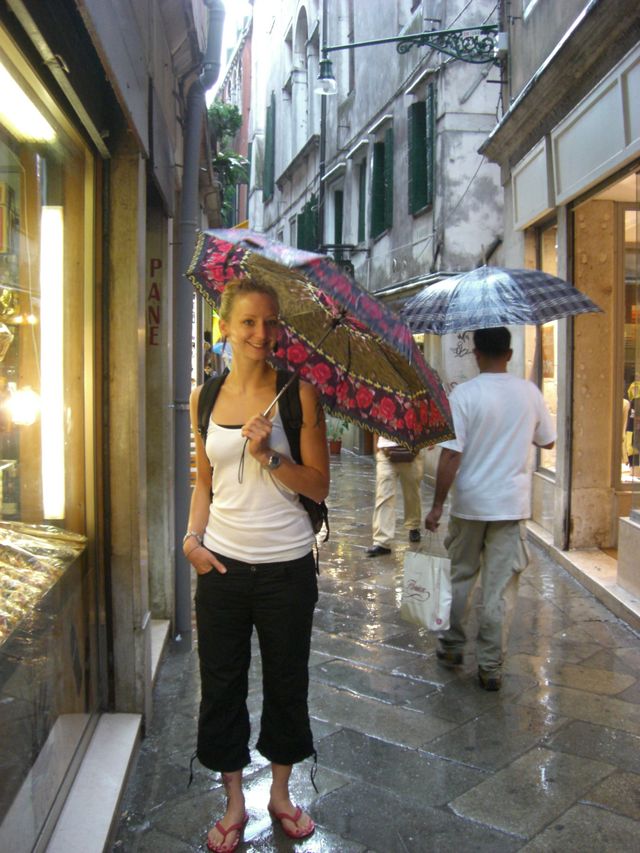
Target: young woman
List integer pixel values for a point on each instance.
(251, 546)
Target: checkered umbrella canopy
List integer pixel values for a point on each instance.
(359, 355)
(491, 296)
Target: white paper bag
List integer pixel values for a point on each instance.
(426, 590)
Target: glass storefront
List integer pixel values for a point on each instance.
(631, 438)
(548, 343)
(48, 614)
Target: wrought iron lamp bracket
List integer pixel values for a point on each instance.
(476, 45)
(468, 44)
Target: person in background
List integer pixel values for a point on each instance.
(207, 355)
(388, 474)
(496, 418)
(250, 541)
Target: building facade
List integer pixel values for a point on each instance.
(385, 176)
(568, 146)
(93, 161)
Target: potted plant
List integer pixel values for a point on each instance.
(335, 428)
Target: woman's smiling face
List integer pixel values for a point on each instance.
(252, 329)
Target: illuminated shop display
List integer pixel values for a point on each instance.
(48, 645)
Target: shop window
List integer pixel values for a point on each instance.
(382, 185)
(268, 179)
(547, 344)
(630, 451)
(48, 633)
(635, 322)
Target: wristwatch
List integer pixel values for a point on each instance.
(273, 462)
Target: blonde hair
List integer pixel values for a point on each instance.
(241, 287)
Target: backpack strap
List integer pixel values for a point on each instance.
(290, 412)
(207, 400)
(291, 415)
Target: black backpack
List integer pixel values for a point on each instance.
(291, 414)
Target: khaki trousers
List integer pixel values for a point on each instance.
(409, 474)
(498, 550)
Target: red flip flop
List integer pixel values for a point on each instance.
(236, 827)
(294, 818)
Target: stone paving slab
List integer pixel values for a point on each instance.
(619, 793)
(531, 792)
(386, 722)
(590, 707)
(601, 743)
(411, 775)
(460, 699)
(364, 608)
(495, 738)
(558, 673)
(585, 828)
(394, 689)
(382, 821)
(367, 631)
(557, 648)
(609, 634)
(375, 656)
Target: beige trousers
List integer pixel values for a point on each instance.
(498, 550)
(409, 474)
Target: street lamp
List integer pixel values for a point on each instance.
(468, 44)
(326, 81)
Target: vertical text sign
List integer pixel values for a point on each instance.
(153, 304)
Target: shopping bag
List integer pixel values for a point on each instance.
(426, 590)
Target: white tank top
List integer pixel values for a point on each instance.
(258, 520)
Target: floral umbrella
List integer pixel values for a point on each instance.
(359, 355)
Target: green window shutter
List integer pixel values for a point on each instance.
(269, 150)
(307, 226)
(362, 201)
(301, 235)
(377, 190)
(338, 216)
(430, 142)
(417, 136)
(388, 178)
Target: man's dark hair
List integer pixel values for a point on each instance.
(207, 336)
(492, 342)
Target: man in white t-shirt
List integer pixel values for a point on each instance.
(496, 418)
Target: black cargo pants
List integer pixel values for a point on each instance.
(279, 599)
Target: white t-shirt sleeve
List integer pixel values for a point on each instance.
(456, 443)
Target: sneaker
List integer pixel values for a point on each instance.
(414, 535)
(490, 679)
(377, 551)
(449, 657)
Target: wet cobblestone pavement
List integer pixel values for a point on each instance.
(413, 757)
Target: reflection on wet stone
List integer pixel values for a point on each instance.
(411, 756)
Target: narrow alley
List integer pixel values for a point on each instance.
(413, 757)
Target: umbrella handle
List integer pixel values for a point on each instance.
(334, 325)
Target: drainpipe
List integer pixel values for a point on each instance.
(189, 222)
(323, 144)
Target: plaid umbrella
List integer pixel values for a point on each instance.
(361, 358)
(490, 296)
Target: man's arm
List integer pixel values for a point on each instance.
(448, 465)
